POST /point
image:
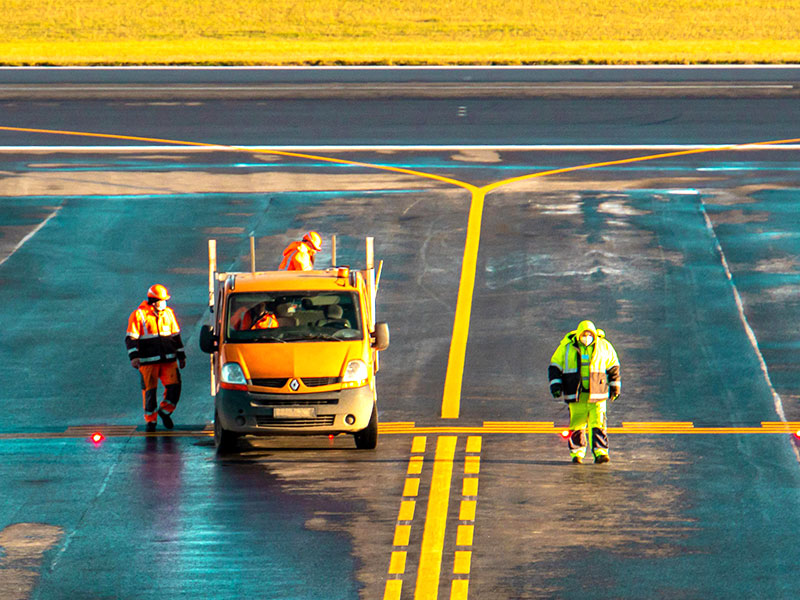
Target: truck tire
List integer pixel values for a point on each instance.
(224, 440)
(367, 439)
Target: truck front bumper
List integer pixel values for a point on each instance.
(253, 413)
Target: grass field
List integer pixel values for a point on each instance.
(398, 31)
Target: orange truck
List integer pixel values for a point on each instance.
(294, 352)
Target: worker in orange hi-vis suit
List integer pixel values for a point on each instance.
(155, 348)
(299, 256)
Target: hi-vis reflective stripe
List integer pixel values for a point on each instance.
(552, 381)
(598, 396)
(157, 358)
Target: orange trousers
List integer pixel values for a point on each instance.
(170, 378)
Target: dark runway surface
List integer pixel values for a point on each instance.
(688, 262)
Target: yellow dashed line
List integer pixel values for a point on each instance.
(465, 535)
(462, 561)
(406, 510)
(402, 535)
(397, 566)
(411, 488)
(405, 516)
(474, 444)
(468, 509)
(472, 465)
(393, 589)
(459, 589)
(415, 465)
(470, 486)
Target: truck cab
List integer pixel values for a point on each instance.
(294, 353)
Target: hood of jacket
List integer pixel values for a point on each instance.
(585, 325)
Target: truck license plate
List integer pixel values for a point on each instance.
(294, 413)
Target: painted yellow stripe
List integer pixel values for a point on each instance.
(657, 424)
(402, 535)
(513, 423)
(397, 566)
(472, 465)
(470, 486)
(418, 444)
(451, 401)
(467, 511)
(465, 535)
(497, 184)
(463, 562)
(411, 487)
(312, 157)
(415, 465)
(406, 510)
(430, 560)
(655, 429)
(394, 587)
(459, 589)
(474, 443)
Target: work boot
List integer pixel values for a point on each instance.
(150, 427)
(166, 419)
(577, 459)
(601, 458)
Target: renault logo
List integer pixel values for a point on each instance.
(294, 385)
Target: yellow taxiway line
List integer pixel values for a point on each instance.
(411, 428)
(430, 559)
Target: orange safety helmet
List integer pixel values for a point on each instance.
(313, 238)
(158, 291)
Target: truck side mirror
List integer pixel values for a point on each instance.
(208, 341)
(381, 336)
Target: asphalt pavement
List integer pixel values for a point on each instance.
(688, 263)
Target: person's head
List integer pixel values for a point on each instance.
(586, 333)
(334, 311)
(314, 240)
(157, 295)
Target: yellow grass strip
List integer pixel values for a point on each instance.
(397, 31)
(399, 52)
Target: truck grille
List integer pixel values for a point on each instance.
(296, 401)
(320, 421)
(272, 382)
(318, 381)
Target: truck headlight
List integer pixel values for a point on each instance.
(232, 377)
(356, 371)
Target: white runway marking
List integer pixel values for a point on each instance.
(776, 398)
(410, 148)
(30, 235)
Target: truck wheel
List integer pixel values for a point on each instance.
(367, 439)
(224, 440)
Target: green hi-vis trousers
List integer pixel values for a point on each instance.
(583, 414)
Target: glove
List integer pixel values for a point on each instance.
(135, 363)
(555, 390)
(613, 398)
(182, 362)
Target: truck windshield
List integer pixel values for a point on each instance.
(293, 317)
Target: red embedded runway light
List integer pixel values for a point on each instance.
(565, 434)
(797, 434)
(97, 437)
